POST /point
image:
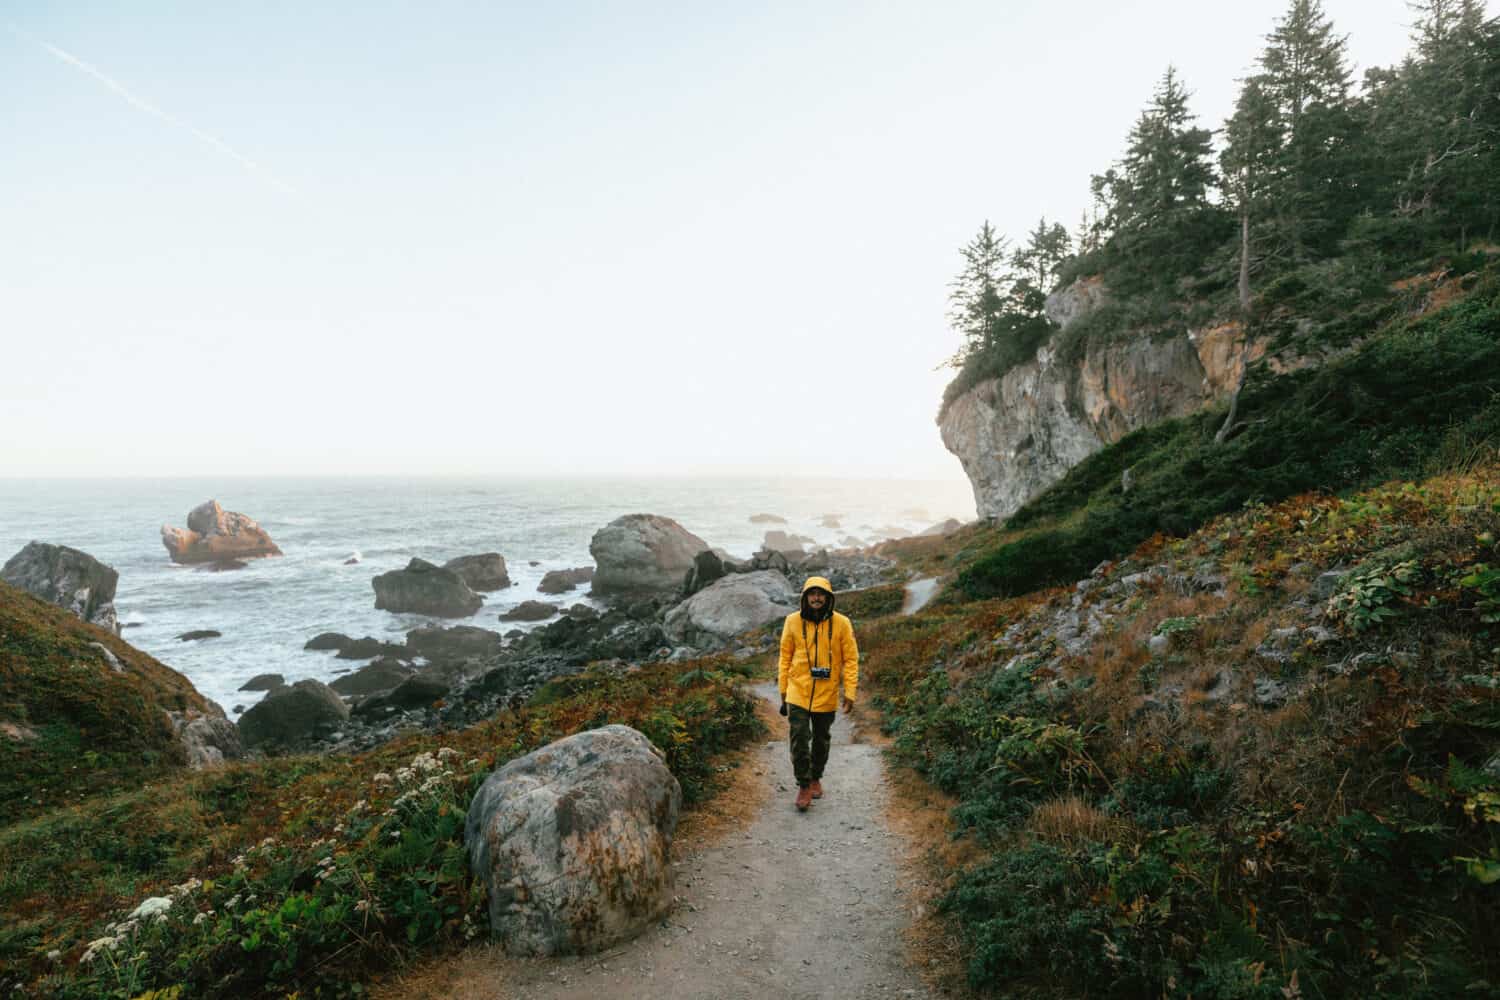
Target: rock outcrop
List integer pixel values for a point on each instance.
(572, 841)
(291, 715)
(68, 578)
(214, 534)
(1018, 434)
(730, 606)
(208, 738)
(482, 572)
(643, 554)
(560, 581)
(455, 643)
(424, 589)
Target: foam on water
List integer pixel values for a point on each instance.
(267, 611)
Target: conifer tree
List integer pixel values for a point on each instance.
(1159, 208)
(977, 296)
(1305, 81)
(1037, 263)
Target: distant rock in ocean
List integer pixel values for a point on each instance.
(216, 535)
(559, 581)
(68, 578)
(767, 519)
(200, 633)
(530, 611)
(482, 572)
(425, 589)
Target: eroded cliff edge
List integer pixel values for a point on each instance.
(1021, 432)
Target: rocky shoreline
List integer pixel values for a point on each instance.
(666, 594)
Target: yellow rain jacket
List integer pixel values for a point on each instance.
(829, 643)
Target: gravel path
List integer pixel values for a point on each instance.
(800, 905)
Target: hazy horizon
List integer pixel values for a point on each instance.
(580, 241)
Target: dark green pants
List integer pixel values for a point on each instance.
(810, 741)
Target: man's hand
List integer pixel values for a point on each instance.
(848, 704)
(783, 704)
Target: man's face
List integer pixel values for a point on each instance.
(816, 599)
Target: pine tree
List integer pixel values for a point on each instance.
(976, 298)
(1160, 212)
(1037, 263)
(1304, 80)
(1253, 140)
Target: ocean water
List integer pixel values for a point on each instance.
(267, 611)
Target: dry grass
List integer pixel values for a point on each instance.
(1070, 822)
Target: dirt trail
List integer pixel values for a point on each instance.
(798, 905)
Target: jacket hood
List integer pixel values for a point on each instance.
(817, 583)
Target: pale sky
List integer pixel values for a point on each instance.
(485, 238)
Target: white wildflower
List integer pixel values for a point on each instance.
(447, 753)
(154, 906)
(97, 947)
(380, 780)
(405, 775)
(191, 885)
(200, 918)
(232, 902)
(358, 806)
(54, 955)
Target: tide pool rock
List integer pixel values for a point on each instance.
(730, 606)
(643, 554)
(216, 535)
(482, 572)
(424, 589)
(69, 578)
(530, 611)
(572, 841)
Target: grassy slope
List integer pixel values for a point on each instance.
(311, 873)
(77, 727)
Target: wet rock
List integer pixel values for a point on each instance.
(196, 634)
(368, 648)
(292, 715)
(424, 589)
(223, 566)
(573, 841)
(214, 534)
(481, 572)
(582, 612)
(708, 566)
(68, 578)
(328, 640)
(377, 677)
(530, 611)
(264, 682)
(560, 581)
(767, 519)
(454, 643)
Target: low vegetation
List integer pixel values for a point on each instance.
(305, 876)
(1274, 772)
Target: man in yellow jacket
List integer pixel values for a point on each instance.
(818, 656)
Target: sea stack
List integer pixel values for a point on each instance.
(214, 535)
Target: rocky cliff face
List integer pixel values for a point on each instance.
(1018, 434)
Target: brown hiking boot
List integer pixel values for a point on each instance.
(804, 798)
(817, 789)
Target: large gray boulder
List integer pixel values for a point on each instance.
(378, 677)
(68, 578)
(214, 535)
(290, 715)
(424, 589)
(572, 841)
(643, 554)
(208, 738)
(730, 606)
(485, 571)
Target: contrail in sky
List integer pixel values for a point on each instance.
(152, 109)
